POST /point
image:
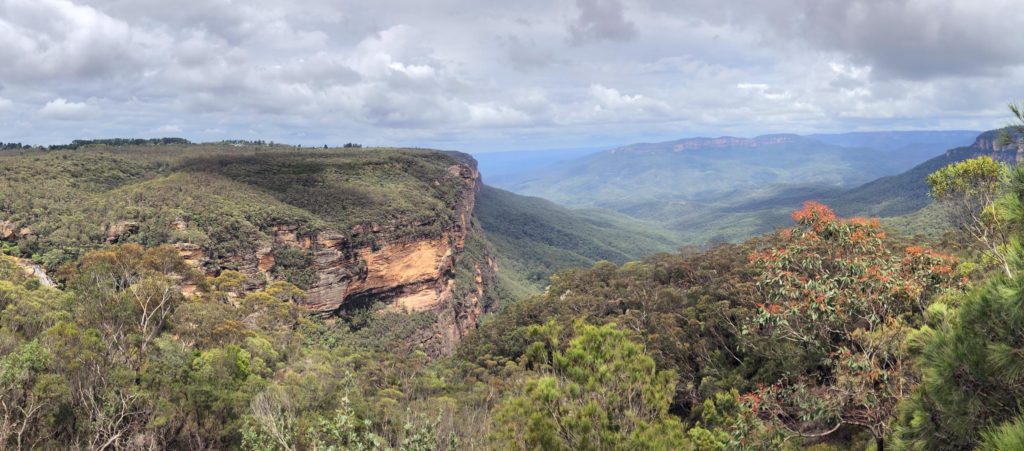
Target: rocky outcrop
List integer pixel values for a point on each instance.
(412, 274)
(413, 267)
(991, 143)
(35, 271)
(114, 232)
(10, 231)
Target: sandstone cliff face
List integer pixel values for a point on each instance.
(412, 274)
(1012, 153)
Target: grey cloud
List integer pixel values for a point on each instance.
(917, 39)
(911, 39)
(392, 72)
(527, 56)
(600, 20)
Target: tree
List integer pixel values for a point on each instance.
(968, 190)
(602, 392)
(970, 359)
(28, 395)
(837, 302)
(1015, 132)
(129, 293)
(728, 422)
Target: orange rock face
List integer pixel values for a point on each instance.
(402, 264)
(405, 274)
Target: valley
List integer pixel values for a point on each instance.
(574, 225)
(232, 278)
(705, 190)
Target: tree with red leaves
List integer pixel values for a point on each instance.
(833, 290)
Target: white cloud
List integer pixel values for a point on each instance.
(61, 109)
(168, 128)
(612, 99)
(525, 73)
(49, 39)
(6, 104)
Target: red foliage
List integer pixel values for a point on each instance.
(826, 250)
(814, 213)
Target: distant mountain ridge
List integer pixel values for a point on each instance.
(944, 139)
(907, 192)
(722, 142)
(729, 188)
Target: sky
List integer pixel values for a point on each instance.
(502, 75)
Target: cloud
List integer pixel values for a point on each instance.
(528, 56)
(600, 20)
(168, 128)
(6, 104)
(61, 109)
(909, 39)
(49, 39)
(612, 99)
(391, 72)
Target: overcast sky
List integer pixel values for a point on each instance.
(501, 75)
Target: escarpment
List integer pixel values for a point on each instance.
(355, 229)
(375, 264)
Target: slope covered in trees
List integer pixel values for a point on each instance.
(230, 197)
(907, 192)
(831, 333)
(533, 237)
(709, 190)
(673, 352)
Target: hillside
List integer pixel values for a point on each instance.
(351, 227)
(702, 170)
(907, 192)
(412, 229)
(534, 237)
(707, 190)
(905, 148)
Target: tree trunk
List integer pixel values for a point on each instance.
(879, 443)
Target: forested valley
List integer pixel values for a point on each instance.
(200, 315)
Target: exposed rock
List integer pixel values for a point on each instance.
(195, 256)
(10, 231)
(413, 274)
(117, 231)
(33, 270)
(265, 259)
(7, 229)
(1012, 153)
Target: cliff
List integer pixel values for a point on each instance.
(405, 273)
(392, 229)
(908, 192)
(990, 143)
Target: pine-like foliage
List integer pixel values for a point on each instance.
(972, 362)
(1007, 436)
(601, 393)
